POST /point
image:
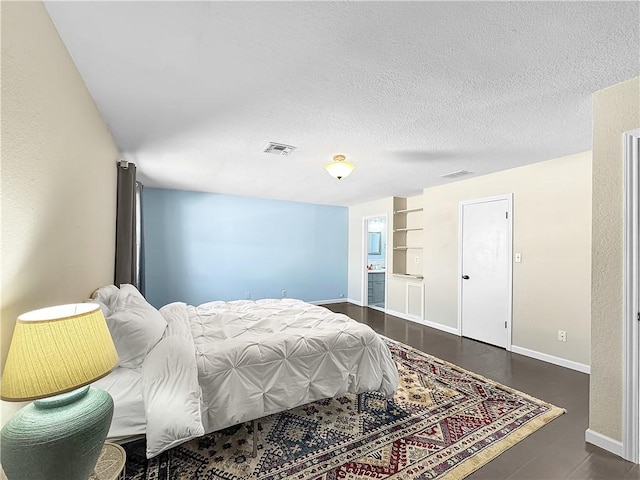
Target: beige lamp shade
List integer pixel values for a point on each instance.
(56, 350)
(339, 167)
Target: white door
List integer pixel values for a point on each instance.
(631, 289)
(485, 270)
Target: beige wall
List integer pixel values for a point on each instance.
(58, 173)
(615, 111)
(552, 231)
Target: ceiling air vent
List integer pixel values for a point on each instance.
(456, 174)
(278, 149)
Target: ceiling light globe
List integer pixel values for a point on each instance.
(339, 167)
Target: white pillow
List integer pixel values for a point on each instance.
(135, 325)
(105, 297)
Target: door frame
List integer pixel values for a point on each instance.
(365, 259)
(631, 302)
(509, 198)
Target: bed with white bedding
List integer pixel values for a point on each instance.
(223, 363)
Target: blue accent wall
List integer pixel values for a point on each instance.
(201, 247)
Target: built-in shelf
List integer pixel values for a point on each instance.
(407, 238)
(408, 210)
(407, 275)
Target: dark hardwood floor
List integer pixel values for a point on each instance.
(556, 451)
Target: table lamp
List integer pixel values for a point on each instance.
(55, 354)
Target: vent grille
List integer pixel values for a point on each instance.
(278, 149)
(456, 174)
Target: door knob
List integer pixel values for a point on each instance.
(465, 277)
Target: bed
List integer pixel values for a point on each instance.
(189, 370)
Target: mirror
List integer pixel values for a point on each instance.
(375, 243)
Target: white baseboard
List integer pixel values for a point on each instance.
(426, 323)
(604, 442)
(563, 362)
(444, 328)
(404, 316)
(335, 300)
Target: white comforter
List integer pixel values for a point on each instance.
(263, 357)
(249, 359)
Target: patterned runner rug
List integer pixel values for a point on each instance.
(443, 423)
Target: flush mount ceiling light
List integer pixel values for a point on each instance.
(339, 167)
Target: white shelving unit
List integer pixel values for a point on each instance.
(407, 239)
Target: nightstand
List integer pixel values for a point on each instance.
(110, 464)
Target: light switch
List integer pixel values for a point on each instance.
(518, 257)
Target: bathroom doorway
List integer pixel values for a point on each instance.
(375, 273)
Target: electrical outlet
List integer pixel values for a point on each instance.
(247, 295)
(562, 336)
(284, 293)
(417, 259)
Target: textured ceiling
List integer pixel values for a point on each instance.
(193, 91)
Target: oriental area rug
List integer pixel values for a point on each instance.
(443, 423)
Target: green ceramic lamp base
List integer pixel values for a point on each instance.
(57, 438)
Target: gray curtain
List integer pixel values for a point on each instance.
(140, 239)
(129, 251)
